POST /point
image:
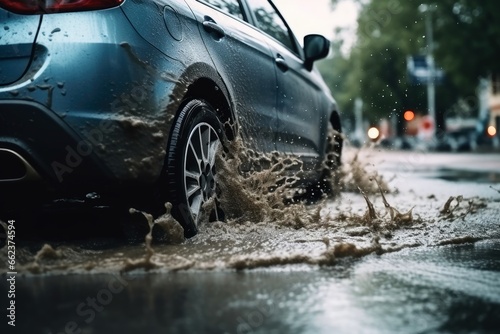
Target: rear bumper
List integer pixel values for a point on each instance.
(39, 147)
(92, 110)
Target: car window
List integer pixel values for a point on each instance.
(231, 7)
(269, 21)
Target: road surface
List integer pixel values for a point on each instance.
(422, 255)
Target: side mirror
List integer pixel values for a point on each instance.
(315, 47)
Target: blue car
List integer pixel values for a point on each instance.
(134, 97)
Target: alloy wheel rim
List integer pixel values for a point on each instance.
(200, 177)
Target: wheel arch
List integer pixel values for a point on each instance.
(337, 126)
(201, 81)
(335, 121)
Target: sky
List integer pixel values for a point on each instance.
(318, 16)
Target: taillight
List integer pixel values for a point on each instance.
(56, 6)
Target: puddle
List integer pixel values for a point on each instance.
(457, 175)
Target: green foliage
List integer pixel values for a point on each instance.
(339, 77)
(468, 37)
(467, 47)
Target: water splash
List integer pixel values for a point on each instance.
(264, 228)
(354, 175)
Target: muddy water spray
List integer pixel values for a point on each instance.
(262, 231)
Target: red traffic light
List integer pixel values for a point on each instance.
(427, 124)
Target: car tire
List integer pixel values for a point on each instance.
(190, 177)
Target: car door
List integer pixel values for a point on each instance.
(245, 63)
(302, 106)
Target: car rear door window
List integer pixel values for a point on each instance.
(231, 7)
(269, 21)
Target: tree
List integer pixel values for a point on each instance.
(338, 74)
(389, 32)
(467, 47)
(468, 40)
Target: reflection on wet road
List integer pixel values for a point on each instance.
(465, 175)
(454, 288)
(421, 256)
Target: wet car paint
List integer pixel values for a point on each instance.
(110, 86)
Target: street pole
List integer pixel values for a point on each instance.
(358, 116)
(431, 70)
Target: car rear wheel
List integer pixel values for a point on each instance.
(191, 175)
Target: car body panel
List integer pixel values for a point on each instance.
(112, 81)
(17, 37)
(90, 101)
(303, 101)
(243, 59)
(301, 109)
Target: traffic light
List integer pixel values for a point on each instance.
(409, 115)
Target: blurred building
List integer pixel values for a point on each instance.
(494, 101)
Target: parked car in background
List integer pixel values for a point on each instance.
(129, 98)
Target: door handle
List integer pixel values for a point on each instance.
(213, 28)
(281, 63)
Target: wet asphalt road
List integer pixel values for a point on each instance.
(448, 289)
(438, 273)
